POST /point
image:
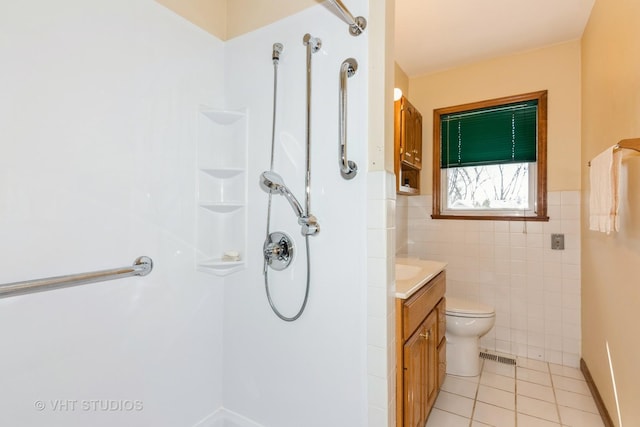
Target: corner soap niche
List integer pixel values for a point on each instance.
(222, 189)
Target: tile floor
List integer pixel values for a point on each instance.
(530, 394)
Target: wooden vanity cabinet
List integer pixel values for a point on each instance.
(421, 352)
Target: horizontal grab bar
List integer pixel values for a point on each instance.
(141, 267)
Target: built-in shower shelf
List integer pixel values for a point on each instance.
(221, 207)
(219, 267)
(223, 117)
(222, 189)
(223, 173)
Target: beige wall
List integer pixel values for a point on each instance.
(226, 19)
(210, 15)
(248, 15)
(610, 275)
(555, 68)
(401, 80)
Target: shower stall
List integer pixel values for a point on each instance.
(127, 130)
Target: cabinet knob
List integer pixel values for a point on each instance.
(426, 336)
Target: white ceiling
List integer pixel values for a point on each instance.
(434, 35)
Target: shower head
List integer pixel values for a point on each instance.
(272, 183)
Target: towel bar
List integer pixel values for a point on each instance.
(630, 144)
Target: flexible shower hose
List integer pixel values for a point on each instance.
(306, 237)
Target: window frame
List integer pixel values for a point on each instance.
(541, 172)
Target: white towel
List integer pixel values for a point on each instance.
(604, 176)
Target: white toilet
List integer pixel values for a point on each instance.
(467, 321)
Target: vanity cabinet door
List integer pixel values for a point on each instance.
(420, 366)
(431, 363)
(441, 342)
(410, 135)
(414, 383)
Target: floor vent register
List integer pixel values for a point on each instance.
(496, 358)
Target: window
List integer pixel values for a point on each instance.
(490, 159)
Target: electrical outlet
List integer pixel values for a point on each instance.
(557, 241)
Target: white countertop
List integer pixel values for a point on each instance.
(413, 273)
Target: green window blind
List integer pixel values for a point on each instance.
(488, 136)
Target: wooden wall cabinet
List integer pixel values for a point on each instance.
(408, 147)
(421, 352)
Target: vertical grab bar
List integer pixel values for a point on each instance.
(348, 168)
(309, 222)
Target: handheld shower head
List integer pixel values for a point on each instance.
(272, 183)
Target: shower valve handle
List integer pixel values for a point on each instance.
(278, 250)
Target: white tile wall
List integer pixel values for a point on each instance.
(381, 205)
(510, 265)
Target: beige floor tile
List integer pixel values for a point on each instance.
(571, 384)
(454, 403)
(498, 381)
(537, 408)
(576, 418)
(493, 415)
(536, 365)
(566, 371)
(439, 418)
(497, 397)
(535, 391)
(576, 401)
(529, 421)
(499, 368)
(459, 386)
(532, 376)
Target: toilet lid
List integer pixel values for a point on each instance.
(462, 307)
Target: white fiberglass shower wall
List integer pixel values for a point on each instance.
(311, 372)
(99, 135)
(97, 167)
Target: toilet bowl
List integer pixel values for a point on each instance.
(467, 321)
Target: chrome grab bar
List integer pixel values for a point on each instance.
(141, 267)
(348, 168)
(356, 25)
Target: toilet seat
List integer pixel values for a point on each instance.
(462, 308)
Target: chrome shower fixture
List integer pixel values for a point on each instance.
(356, 25)
(277, 50)
(348, 168)
(313, 42)
(273, 183)
(278, 251)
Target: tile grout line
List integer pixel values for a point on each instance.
(475, 396)
(515, 393)
(555, 397)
